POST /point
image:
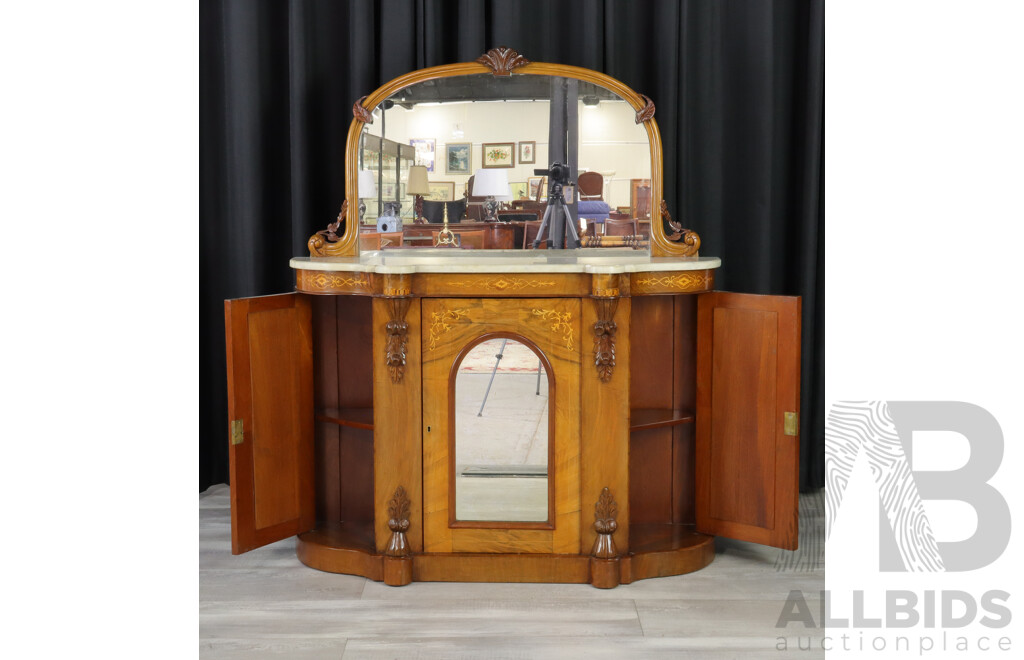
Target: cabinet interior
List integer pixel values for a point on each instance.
(662, 393)
(343, 400)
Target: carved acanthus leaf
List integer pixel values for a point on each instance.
(646, 112)
(605, 524)
(604, 338)
(398, 522)
(502, 60)
(397, 333)
(360, 112)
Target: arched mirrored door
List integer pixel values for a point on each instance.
(501, 435)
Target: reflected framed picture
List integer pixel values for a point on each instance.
(520, 190)
(527, 153)
(424, 151)
(499, 154)
(441, 191)
(458, 158)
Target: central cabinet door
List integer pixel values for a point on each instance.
(501, 435)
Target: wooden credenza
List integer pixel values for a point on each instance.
(675, 407)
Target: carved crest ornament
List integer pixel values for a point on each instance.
(502, 60)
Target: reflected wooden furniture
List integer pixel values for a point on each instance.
(374, 240)
(620, 227)
(640, 198)
(530, 229)
(591, 185)
(677, 405)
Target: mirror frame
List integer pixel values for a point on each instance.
(502, 62)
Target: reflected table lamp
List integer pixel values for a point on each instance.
(492, 184)
(367, 189)
(418, 186)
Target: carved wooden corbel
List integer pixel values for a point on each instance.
(646, 112)
(604, 338)
(604, 559)
(398, 522)
(398, 556)
(360, 112)
(679, 235)
(320, 243)
(605, 512)
(397, 334)
(502, 60)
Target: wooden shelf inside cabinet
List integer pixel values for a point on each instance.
(642, 419)
(358, 418)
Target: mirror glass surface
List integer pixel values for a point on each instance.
(501, 434)
(459, 124)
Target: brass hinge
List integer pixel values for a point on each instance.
(791, 423)
(237, 435)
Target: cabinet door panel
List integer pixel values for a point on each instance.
(748, 378)
(270, 391)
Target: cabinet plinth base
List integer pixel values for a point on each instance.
(657, 550)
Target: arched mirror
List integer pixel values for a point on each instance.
(477, 141)
(466, 138)
(502, 433)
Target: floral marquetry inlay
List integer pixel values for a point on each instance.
(560, 322)
(440, 323)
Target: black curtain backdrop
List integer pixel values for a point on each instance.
(739, 90)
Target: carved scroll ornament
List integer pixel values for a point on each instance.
(679, 235)
(320, 243)
(398, 523)
(605, 512)
(502, 60)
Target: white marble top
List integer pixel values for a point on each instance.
(441, 260)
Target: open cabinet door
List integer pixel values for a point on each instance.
(270, 417)
(748, 396)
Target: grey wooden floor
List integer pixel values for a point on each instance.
(266, 604)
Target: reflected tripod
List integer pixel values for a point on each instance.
(562, 228)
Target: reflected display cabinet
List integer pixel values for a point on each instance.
(665, 413)
(389, 161)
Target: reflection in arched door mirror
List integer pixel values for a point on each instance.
(502, 433)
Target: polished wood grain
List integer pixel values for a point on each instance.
(643, 419)
(747, 378)
(551, 325)
(357, 418)
(270, 389)
(341, 548)
(604, 440)
(397, 442)
(666, 549)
